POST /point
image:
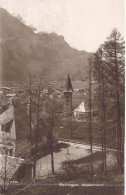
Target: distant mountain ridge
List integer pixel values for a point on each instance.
(22, 51)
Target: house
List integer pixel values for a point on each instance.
(5, 89)
(83, 111)
(14, 170)
(11, 146)
(8, 166)
(1, 92)
(24, 172)
(10, 97)
(80, 110)
(13, 133)
(4, 103)
(7, 132)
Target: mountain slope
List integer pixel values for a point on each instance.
(22, 50)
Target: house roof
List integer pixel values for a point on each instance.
(68, 85)
(7, 122)
(7, 115)
(3, 100)
(80, 108)
(11, 95)
(12, 164)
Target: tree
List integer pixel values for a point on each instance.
(108, 72)
(99, 75)
(20, 19)
(32, 28)
(114, 58)
(37, 126)
(70, 125)
(9, 164)
(34, 86)
(50, 119)
(90, 111)
(30, 109)
(29, 82)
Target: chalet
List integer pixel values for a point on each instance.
(7, 131)
(5, 89)
(12, 145)
(80, 110)
(8, 166)
(83, 111)
(10, 95)
(14, 170)
(7, 127)
(12, 129)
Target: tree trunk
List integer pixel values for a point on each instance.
(37, 129)
(104, 122)
(30, 115)
(90, 117)
(52, 158)
(118, 109)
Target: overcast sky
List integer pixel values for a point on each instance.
(83, 23)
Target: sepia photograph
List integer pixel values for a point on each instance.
(62, 97)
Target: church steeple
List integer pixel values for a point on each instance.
(68, 85)
(68, 98)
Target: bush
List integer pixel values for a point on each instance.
(72, 171)
(69, 169)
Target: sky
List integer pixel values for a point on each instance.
(85, 24)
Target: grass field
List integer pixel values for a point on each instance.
(81, 131)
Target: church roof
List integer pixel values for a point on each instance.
(68, 85)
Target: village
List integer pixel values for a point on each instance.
(13, 137)
(31, 149)
(62, 97)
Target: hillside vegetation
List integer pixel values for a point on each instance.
(24, 51)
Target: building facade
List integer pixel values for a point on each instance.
(7, 132)
(68, 98)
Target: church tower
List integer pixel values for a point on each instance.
(68, 98)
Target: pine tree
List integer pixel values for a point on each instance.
(90, 115)
(114, 60)
(108, 72)
(98, 73)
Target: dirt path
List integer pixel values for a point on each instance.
(75, 151)
(83, 145)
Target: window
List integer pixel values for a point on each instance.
(4, 108)
(7, 127)
(67, 102)
(10, 152)
(7, 151)
(9, 144)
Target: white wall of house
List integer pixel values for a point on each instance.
(80, 110)
(8, 139)
(8, 166)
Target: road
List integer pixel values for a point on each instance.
(74, 142)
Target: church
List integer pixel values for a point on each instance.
(78, 110)
(68, 98)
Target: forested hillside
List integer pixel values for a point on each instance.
(22, 50)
